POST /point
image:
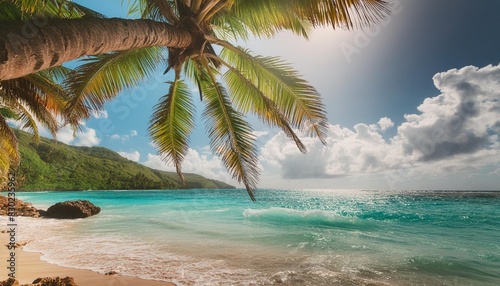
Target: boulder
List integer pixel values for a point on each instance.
(54, 281)
(9, 282)
(21, 208)
(47, 281)
(72, 209)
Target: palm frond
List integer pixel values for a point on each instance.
(265, 18)
(230, 135)
(9, 11)
(84, 11)
(9, 148)
(8, 113)
(343, 13)
(55, 97)
(299, 102)
(28, 123)
(56, 74)
(102, 77)
(49, 9)
(172, 122)
(228, 26)
(247, 97)
(159, 10)
(25, 96)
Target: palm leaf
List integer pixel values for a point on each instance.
(9, 154)
(4, 164)
(343, 13)
(299, 102)
(8, 113)
(247, 97)
(158, 10)
(25, 96)
(265, 18)
(228, 26)
(230, 135)
(9, 11)
(53, 94)
(102, 77)
(28, 123)
(172, 122)
(48, 9)
(56, 74)
(84, 11)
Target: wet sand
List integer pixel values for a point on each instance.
(29, 267)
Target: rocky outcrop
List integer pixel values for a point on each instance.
(67, 210)
(72, 209)
(48, 281)
(20, 208)
(10, 282)
(57, 281)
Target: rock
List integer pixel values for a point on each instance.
(47, 281)
(21, 208)
(17, 245)
(54, 281)
(112, 272)
(9, 282)
(72, 209)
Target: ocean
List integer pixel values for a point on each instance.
(288, 237)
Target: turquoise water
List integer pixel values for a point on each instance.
(307, 237)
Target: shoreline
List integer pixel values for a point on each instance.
(30, 266)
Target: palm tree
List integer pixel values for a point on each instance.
(34, 99)
(197, 35)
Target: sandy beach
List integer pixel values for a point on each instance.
(29, 267)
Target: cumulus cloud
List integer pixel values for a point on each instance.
(98, 114)
(88, 137)
(132, 156)
(461, 120)
(259, 134)
(385, 123)
(204, 164)
(85, 137)
(347, 151)
(456, 131)
(124, 137)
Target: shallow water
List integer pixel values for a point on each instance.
(301, 237)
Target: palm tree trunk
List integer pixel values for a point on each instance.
(27, 47)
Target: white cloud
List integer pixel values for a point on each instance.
(361, 150)
(385, 123)
(100, 114)
(456, 132)
(203, 164)
(259, 134)
(132, 156)
(86, 137)
(124, 137)
(459, 121)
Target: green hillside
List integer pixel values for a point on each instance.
(50, 165)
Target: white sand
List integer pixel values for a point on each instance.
(29, 267)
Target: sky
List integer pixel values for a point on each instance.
(412, 103)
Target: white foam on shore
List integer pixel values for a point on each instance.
(62, 244)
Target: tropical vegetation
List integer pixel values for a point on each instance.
(47, 165)
(195, 41)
